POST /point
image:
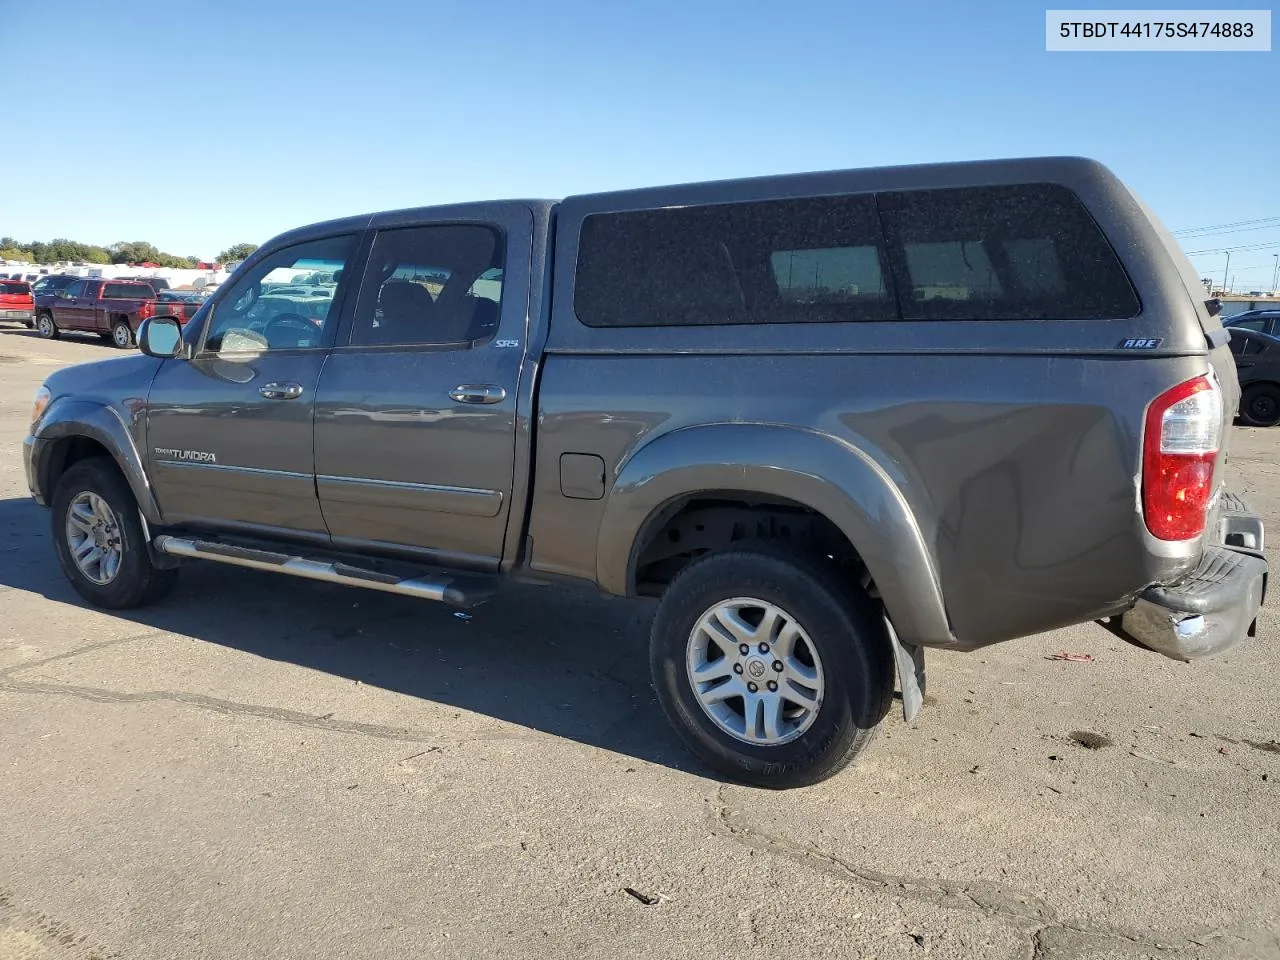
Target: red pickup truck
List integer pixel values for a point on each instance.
(113, 309)
(16, 302)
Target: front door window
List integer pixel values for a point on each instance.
(284, 302)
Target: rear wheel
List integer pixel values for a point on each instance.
(99, 538)
(46, 327)
(771, 666)
(122, 334)
(1260, 406)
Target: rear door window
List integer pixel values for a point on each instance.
(1018, 252)
(439, 284)
(1260, 325)
(815, 259)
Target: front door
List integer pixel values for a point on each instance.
(73, 308)
(415, 411)
(229, 431)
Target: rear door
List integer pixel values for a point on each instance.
(229, 432)
(416, 408)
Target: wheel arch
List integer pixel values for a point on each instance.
(781, 465)
(74, 430)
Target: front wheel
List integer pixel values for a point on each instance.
(1260, 405)
(99, 538)
(773, 668)
(46, 327)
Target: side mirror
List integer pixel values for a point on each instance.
(161, 337)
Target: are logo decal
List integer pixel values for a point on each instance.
(1141, 343)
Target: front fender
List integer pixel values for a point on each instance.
(834, 478)
(67, 418)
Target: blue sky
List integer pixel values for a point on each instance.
(234, 120)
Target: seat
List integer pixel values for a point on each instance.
(407, 314)
(484, 318)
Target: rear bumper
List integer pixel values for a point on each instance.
(21, 316)
(1217, 605)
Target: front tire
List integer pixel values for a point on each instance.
(98, 536)
(772, 666)
(1260, 405)
(46, 327)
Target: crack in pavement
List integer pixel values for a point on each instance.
(236, 709)
(1049, 937)
(78, 651)
(32, 929)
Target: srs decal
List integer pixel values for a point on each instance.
(195, 456)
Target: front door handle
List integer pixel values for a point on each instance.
(478, 393)
(281, 391)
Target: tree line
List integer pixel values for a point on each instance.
(135, 251)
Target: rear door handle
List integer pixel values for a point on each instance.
(281, 391)
(478, 393)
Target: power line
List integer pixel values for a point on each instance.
(1224, 226)
(1268, 245)
(1220, 233)
(1257, 266)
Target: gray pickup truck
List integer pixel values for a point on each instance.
(828, 420)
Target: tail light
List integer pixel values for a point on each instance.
(1179, 447)
(147, 310)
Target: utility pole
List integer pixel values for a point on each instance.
(1275, 274)
(1225, 289)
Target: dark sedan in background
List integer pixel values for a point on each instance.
(1257, 354)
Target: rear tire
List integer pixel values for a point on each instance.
(46, 327)
(1260, 405)
(848, 664)
(121, 335)
(93, 505)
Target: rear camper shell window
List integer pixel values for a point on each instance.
(1017, 252)
(772, 261)
(1020, 252)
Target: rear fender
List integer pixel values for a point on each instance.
(835, 478)
(66, 419)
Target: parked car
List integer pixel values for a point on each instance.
(828, 421)
(159, 284)
(180, 296)
(53, 283)
(113, 309)
(16, 302)
(1264, 321)
(1257, 357)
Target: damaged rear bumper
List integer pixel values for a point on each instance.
(1216, 606)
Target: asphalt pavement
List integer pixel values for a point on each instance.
(266, 767)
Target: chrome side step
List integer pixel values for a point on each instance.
(458, 591)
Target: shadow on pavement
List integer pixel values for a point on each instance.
(68, 336)
(563, 661)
